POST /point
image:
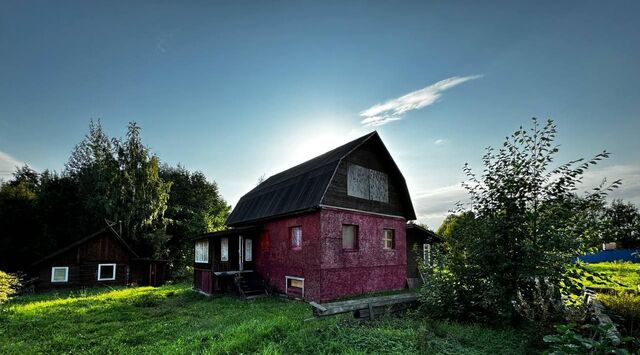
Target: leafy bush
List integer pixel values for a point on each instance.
(586, 339)
(9, 285)
(624, 306)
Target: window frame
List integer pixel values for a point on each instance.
(224, 247)
(393, 239)
(248, 249)
(66, 274)
(100, 278)
(291, 244)
(203, 260)
(286, 284)
(356, 236)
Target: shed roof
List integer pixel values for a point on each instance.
(298, 189)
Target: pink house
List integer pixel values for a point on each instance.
(331, 227)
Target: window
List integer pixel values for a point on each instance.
(106, 272)
(389, 239)
(294, 286)
(296, 237)
(59, 274)
(349, 237)
(224, 249)
(202, 251)
(265, 241)
(367, 183)
(426, 253)
(248, 246)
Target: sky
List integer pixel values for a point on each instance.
(243, 89)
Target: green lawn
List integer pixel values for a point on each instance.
(613, 275)
(175, 320)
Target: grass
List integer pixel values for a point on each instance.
(175, 320)
(618, 276)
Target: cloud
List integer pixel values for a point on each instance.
(394, 109)
(433, 205)
(440, 141)
(8, 165)
(162, 42)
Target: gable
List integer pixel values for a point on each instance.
(368, 180)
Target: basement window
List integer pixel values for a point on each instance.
(224, 249)
(202, 251)
(60, 274)
(294, 286)
(296, 237)
(106, 272)
(389, 239)
(349, 237)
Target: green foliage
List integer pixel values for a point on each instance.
(625, 307)
(194, 207)
(623, 224)
(9, 285)
(586, 339)
(175, 320)
(522, 229)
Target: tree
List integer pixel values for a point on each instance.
(522, 228)
(623, 224)
(195, 206)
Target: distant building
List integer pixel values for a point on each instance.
(331, 227)
(102, 258)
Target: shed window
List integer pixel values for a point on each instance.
(60, 274)
(248, 246)
(389, 239)
(106, 272)
(224, 249)
(367, 183)
(202, 251)
(349, 237)
(296, 237)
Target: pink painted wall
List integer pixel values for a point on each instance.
(370, 268)
(280, 260)
(329, 271)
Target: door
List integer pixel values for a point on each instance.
(248, 254)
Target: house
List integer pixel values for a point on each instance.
(102, 258)
(331, 227)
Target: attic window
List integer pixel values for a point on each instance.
(106, 272)
(60, 274)
(367, 183)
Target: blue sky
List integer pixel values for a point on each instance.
(242, 89)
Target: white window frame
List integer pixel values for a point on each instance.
(66, 273)
(392, 239)
(224, 249)
(204, 253)
(100, 278)
(286, 283)
(248, 249)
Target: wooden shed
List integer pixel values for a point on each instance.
(102, 258)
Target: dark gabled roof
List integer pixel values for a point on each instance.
(429, 235)
(296, 190)
(81, 241)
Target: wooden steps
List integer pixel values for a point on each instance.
(367, 308)
(251, 285)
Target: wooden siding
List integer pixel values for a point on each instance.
(369, 155)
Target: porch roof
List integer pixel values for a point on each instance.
(229, 231)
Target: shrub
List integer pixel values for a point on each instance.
(9, 285)
(626, 306)
(585, 339)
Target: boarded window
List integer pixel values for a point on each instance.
(349, 237)
(224, 249)
(378, 186)
(248, 252)
(367, 183)
(296, 237)
(59, 274)
(202, 251)
(389, 239)
(106, 272)
(358, 181)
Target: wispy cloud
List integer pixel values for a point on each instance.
(393, 110)
(8, 165)
(440, 141)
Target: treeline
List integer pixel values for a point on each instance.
(159, 207)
